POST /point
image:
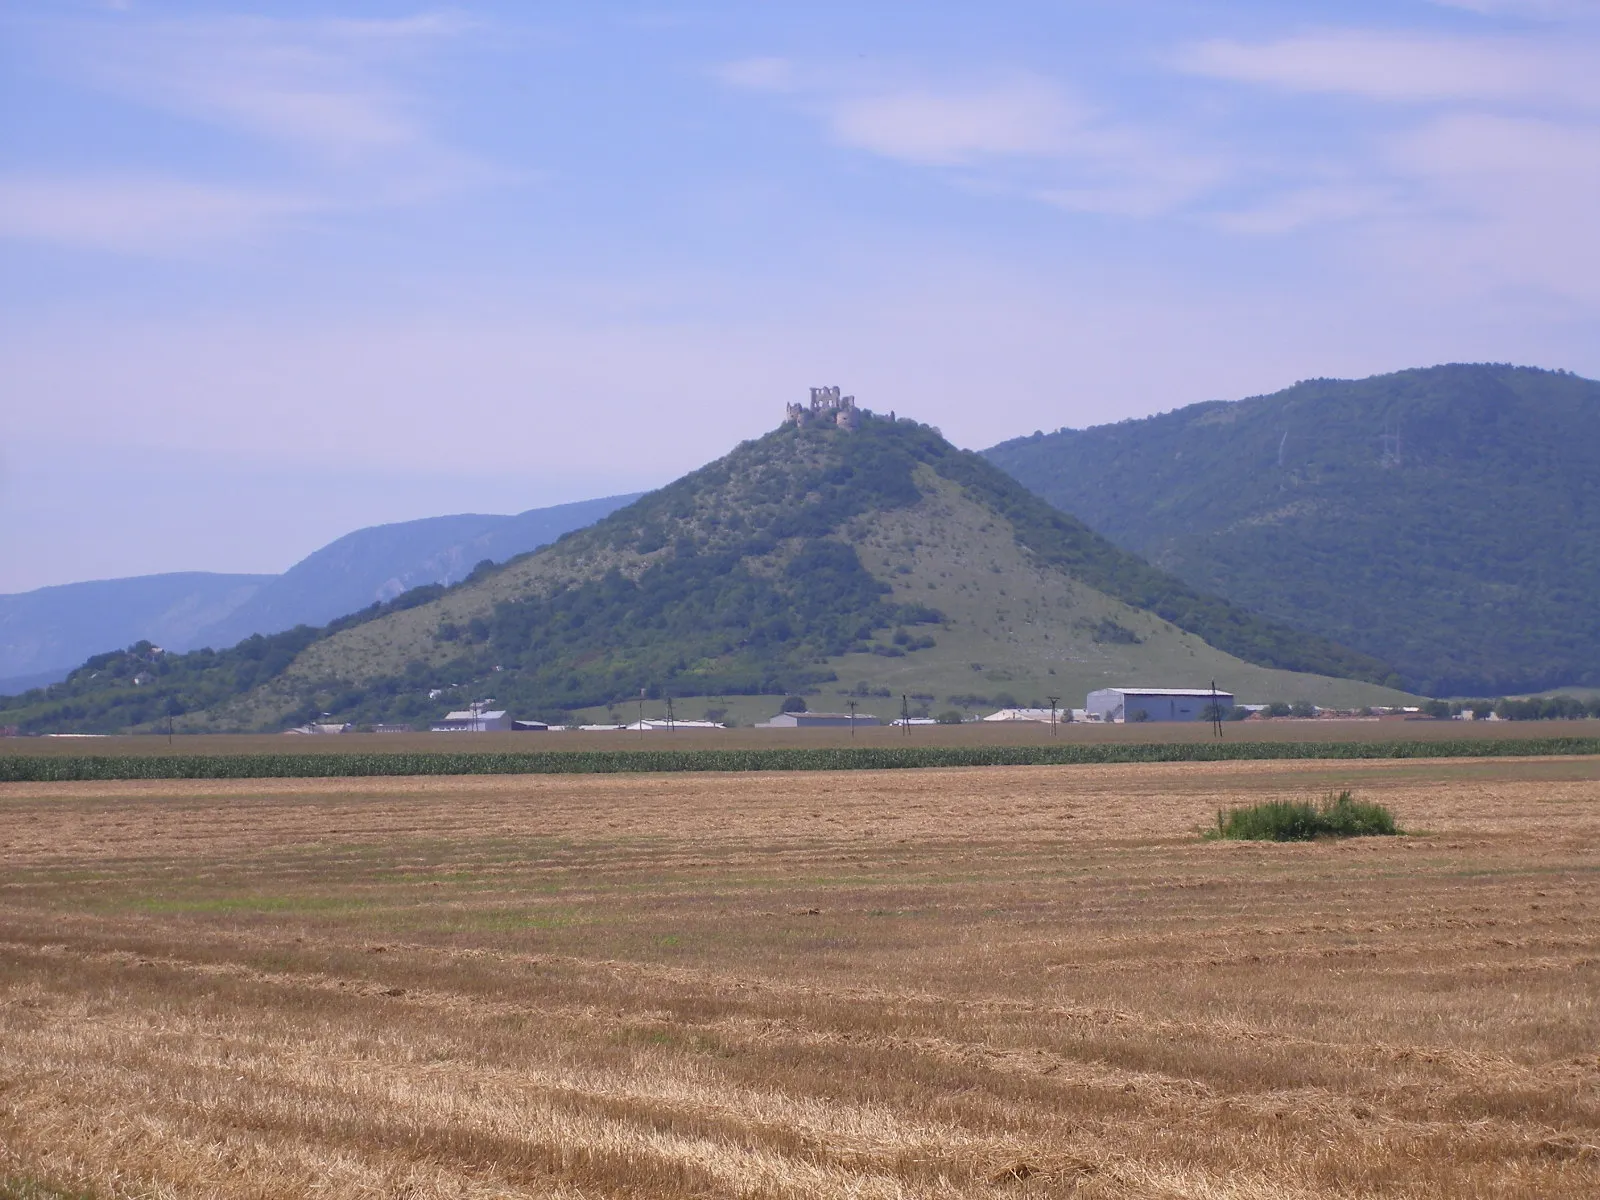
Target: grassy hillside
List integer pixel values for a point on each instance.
(1445, 520)
(813, 561)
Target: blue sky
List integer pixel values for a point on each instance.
(270, 274)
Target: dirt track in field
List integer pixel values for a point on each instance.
(1006, 981)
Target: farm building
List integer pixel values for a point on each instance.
(811, 720)
(1028, 714)
(1155, 704)
(662, 725)
(473, 720)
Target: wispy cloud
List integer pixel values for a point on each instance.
(1537, 9)
(1019, 118)
(1019, 132)
(321, 107)
(139, 215)
(1387, 66)
(760, 74)
(324, 86)
(1315, 203)
(1463, 149)
(1510, 201)
(1476, 159)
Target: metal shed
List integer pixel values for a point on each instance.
(1156, 704)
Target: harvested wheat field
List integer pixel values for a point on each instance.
(982, 982)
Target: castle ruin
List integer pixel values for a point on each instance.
(827, 407)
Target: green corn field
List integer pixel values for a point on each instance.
(43, 769)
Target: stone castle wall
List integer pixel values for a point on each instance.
(827, 407)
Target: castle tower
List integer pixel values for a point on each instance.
(827, 405)
(824, 399)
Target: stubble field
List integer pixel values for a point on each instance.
(980, 982)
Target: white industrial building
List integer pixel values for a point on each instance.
(814, 720)
(1155, 704)
(662, 725)
(1045, 715)
(473, 720)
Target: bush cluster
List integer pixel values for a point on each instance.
(1305, 820)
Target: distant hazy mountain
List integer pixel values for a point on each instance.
(1445, 520)
(380, 562)
(45, 633)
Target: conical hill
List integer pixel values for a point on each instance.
(821, 560)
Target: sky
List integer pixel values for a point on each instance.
(271, 274)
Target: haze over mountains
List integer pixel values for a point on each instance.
(1446, 520)
(45, 633)
(835, 562)
(1435, 530)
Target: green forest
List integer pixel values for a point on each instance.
(1444, 520)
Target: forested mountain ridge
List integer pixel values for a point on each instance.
(883, 552)
(1445, 519)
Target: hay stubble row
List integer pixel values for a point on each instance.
(1008, 981)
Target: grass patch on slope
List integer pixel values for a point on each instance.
(1339, 816)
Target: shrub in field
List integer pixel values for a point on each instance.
(1305, 820)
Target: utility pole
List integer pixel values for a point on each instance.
(1216, 711)
(641, 712)
(1054, 700)
(905, 715)
(670, 725)
(852, 718)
